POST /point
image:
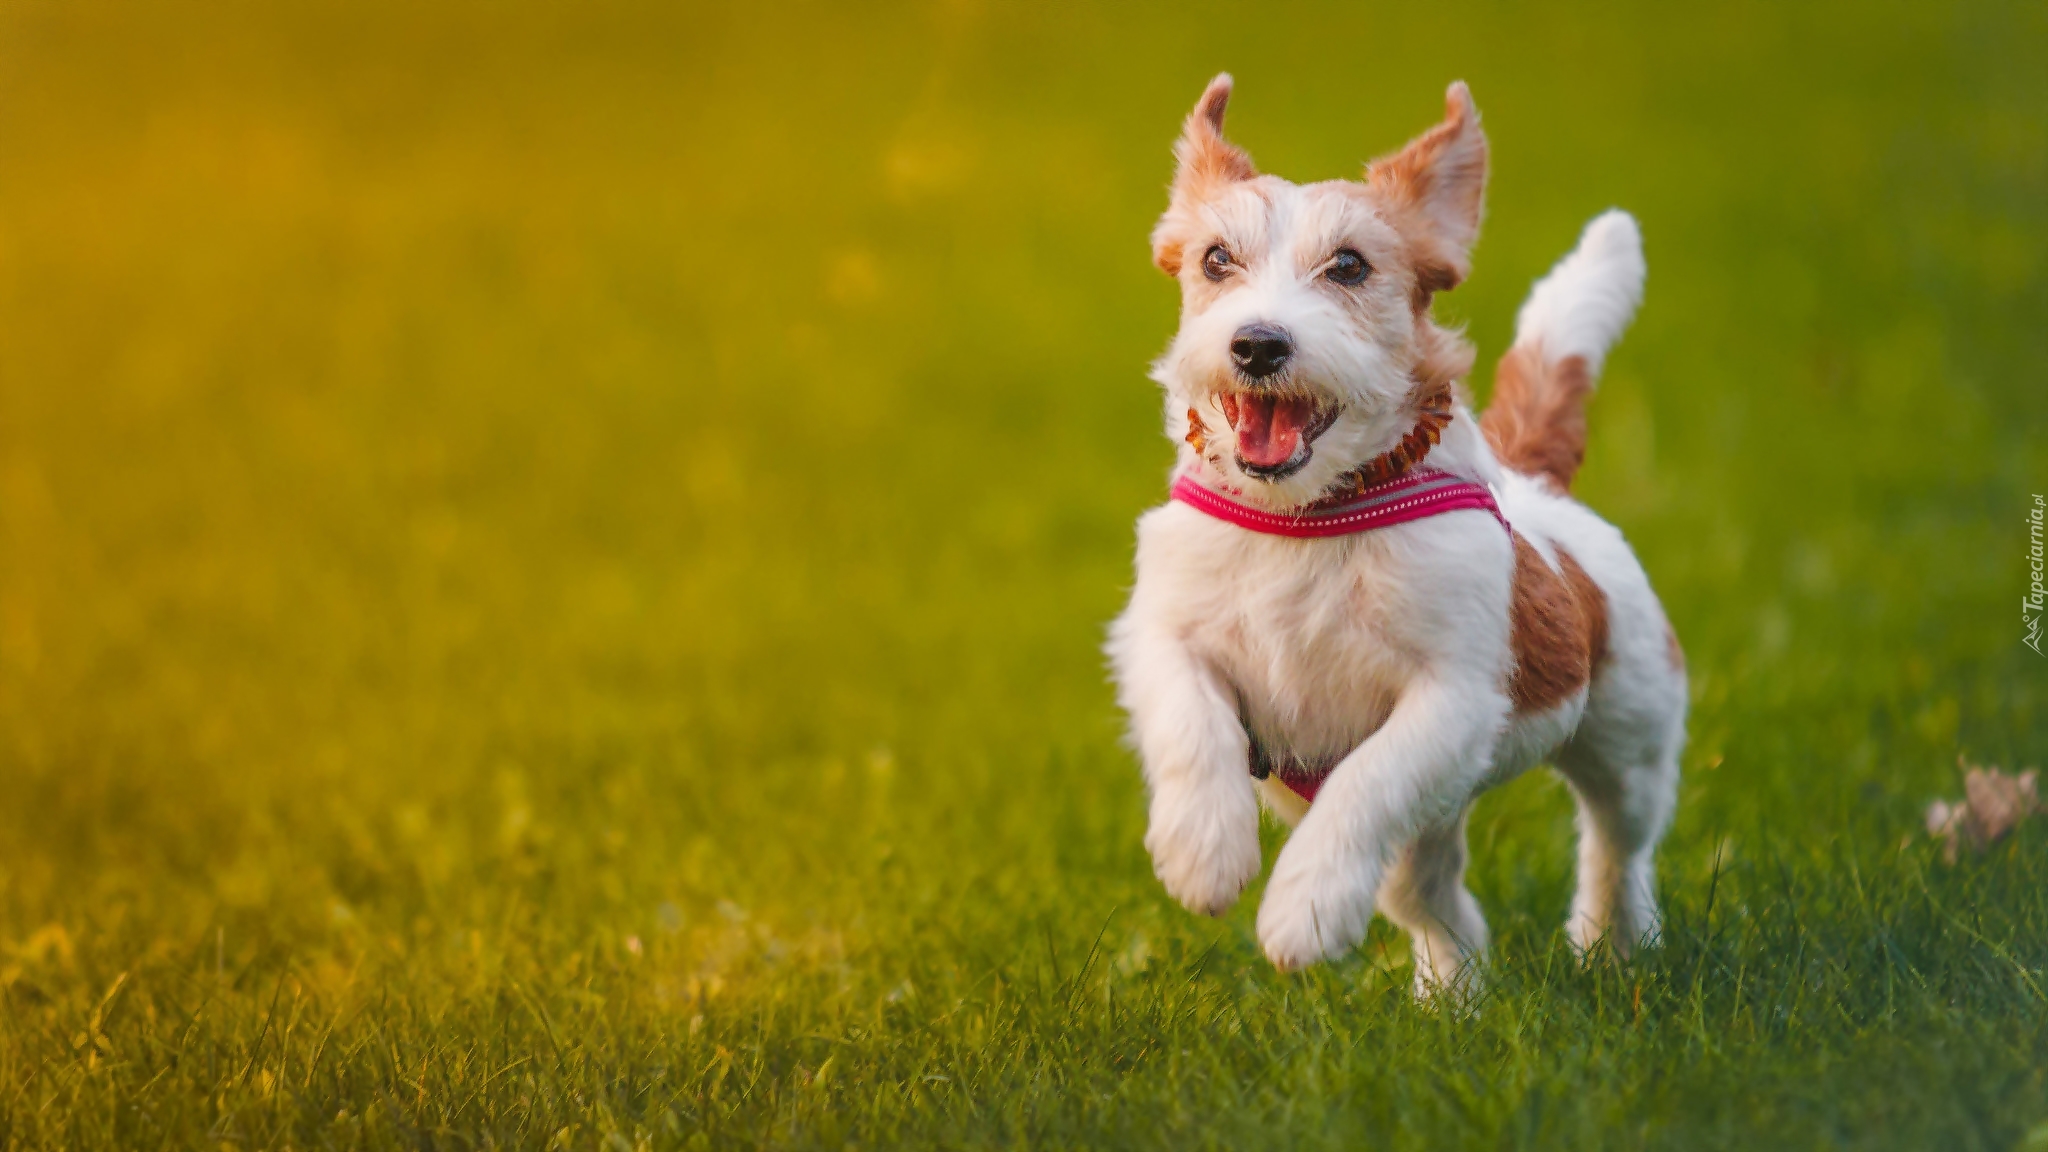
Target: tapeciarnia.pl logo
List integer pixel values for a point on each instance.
(2037, 596)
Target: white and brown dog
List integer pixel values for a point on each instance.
(1361, 595)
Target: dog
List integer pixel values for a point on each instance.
(1364, 606)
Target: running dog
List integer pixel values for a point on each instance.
(1362, 605)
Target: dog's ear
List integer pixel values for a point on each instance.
(1206, 163)
(1435, 188)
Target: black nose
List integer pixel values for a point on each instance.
(1261, 349)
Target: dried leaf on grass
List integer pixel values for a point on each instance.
(1993, 804)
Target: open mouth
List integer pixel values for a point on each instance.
(1275, 433)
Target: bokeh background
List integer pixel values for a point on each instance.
(553, 559)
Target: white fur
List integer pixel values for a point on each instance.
(1588, 299)
(1387, 652)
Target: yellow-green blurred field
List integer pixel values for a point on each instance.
(552, 561)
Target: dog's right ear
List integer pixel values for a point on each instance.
(1206, 164)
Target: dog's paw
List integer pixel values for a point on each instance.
(1205, 846)
(1457, 989)
(1314, 909)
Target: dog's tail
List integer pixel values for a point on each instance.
(1537, 420)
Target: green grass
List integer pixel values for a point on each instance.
(552, 568)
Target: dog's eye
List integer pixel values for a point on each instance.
(1216, 262)
(1347, 267)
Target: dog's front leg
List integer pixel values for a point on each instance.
(1204, 833)
(1416, 771)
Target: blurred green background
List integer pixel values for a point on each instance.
(553, 559)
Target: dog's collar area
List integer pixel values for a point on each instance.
(1434, 414)
(1412, 495)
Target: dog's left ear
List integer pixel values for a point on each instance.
(1435, 188)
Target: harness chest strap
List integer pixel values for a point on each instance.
(1413, 495)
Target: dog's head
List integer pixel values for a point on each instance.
(1305, 344)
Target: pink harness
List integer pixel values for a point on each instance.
(1410, 496)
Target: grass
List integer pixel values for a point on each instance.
(552, 564)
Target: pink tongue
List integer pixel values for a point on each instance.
(1269, 428)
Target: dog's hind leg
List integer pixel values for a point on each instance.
(1424, 892)
(1624, 808)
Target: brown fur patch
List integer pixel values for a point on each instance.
(1444, 357)
(1592, 607)
(1557, 627)
(1433, 190)
(1207, 164)
(1537, 420)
